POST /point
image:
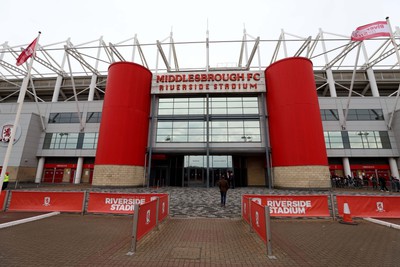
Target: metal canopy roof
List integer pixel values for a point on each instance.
(83, 61)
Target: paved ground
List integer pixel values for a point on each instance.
(198, 233)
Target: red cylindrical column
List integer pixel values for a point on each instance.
(295, 125)
(124, 126)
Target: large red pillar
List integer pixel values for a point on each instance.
(299, 156)
(122, 142)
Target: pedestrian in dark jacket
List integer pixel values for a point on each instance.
(382, 183)
(223, 188)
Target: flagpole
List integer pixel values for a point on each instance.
(21, 98)
(398, 62)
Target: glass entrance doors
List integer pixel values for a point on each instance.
(195, 169)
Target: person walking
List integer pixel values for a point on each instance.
(382, 183)
(5, 181)
(374, 182)
(223, 189)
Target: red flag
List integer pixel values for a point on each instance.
(376, 29)
(27, 53)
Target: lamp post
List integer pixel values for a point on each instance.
(365, 134)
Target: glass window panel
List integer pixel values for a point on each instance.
(180, 131)
(233, 99)
(196, 138)
(217, 99)
(239, 131)
(219, 138)
(165, 100)
(250, 104)
(218, 105)
(184, 105)
(218, 111)
(162, 105)
(235, 124)
(164, 131)
(196, 105)
(219, 124)
(236, 138)
(163, 138)
(181, 100)
(219, 131)
(165, 111)
(336, 145)
(255, 138)
(196, 131)
(180, 111)
(93, 117)
(234, 104)
(235, 110)
(47, 140)
(252, 124)
(250, 110)
(196, 124)
(180, 124)
(164, 124)
(196, 111)
(252, 131)
(180, 138)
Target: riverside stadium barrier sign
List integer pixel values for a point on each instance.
(118, 203)
(291, 206)
(208, 82)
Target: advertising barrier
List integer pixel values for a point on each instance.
(246, 208)
(257, 213)
(147, 218)
(294, 206)
(47, 201)
(115, 202)
(120, 203)
(370, 206)
(163, 207)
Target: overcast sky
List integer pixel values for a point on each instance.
(117, 20)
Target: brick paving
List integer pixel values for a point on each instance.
(198, 233)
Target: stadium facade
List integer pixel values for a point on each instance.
(95, 114)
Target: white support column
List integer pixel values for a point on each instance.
(78, 173)
(331, 82)
(57, 88)
(393, 167)
(346, 167)
(329, 74)
(92, 87)
(39, 170)
(372, 82)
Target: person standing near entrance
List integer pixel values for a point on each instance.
(223, 188)
(5, 181)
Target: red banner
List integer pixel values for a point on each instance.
(370, 206)
(258, 220)
(117, 203)
(294, 206)
(46, 201)
(147, 218)
(163, 209)
(246, 208)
